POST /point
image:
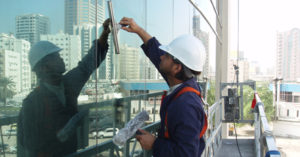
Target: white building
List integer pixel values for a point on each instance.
(288, 55)
(71, 45)
(22, 47)
(31, 26)
(86, 33)
(10, 67)
(78, 12)
(128, 63)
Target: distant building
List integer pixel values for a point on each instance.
(128, 66)
(86, 33)
(80, 20)
(288, 55)
(71, 45)
(31, 26)
(10, 67)
(256, 73)
(147, 69)
(18, 48)
(78, 12)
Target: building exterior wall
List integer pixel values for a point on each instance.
(289, 111)
(9, 42)
(289, 102)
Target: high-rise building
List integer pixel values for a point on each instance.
(80, 20)
(71, 47)
(106, 69)
(78, 12)
(128, 65)
(8, 43)
(204, 37)
(87, 34)
(31, 26)
(288, 55)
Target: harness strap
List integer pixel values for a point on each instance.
(183, 90)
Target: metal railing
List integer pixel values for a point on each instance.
(213, 134)
(264, 140)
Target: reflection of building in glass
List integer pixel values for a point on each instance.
(10, 67)
(204, 37)
(19, 48)
(148, 70)
(31, 26)
(128, 66)
(71, 46)
(86, 32)
(106, 69)
(80, 20)
(78, 12)
(288, 55)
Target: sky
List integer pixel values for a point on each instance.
(259, 21)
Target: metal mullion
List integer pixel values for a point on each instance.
(217, 14)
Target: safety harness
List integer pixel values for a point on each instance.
(183, 90)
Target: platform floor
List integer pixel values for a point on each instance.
(230, 149)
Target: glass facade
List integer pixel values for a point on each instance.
(70, 25)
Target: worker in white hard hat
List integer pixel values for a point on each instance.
(183, 120)
(52, 106)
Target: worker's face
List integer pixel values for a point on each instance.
(167, 65)
(54, 64)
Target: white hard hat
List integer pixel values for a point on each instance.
(189, 50)
(39, 50)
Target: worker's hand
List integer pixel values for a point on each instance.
(104, 36)
(132, 26)
(145, 139)
(105, 25)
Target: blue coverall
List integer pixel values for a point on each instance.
(185, 116)
(43, 114)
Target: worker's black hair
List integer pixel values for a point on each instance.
(181, 75)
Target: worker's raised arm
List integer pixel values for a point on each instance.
(134, 28)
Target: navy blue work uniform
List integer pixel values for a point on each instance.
(43, 114)
(186, 116)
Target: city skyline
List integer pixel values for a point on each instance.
(257, 46)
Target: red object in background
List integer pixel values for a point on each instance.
(253, 102)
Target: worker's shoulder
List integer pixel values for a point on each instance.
(32, 96)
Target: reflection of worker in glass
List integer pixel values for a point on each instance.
(49, 107)
(183, 120)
